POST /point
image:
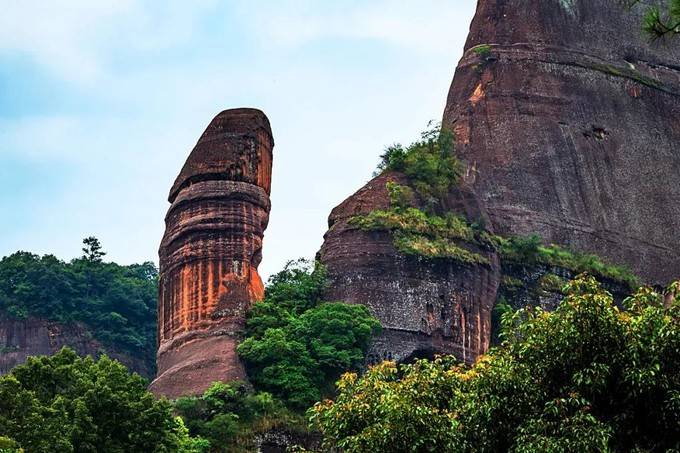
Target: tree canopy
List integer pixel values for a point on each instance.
(588, 377)
(117, 303)
(65, 403)
(296, 344)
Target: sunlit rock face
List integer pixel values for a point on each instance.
(210, 253)
(567, 118)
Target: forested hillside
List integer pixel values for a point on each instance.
(116, 304)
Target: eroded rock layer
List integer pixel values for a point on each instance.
(567, 119)
(210, 253)
(425, 306)
(21, 338)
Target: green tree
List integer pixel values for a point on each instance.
(93, 250)
(429, 163)
(227, 415)
(586, 377)
(661, 21)
(65, 403)
(296, 346)
(117, 303)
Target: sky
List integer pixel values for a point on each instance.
(102, 101)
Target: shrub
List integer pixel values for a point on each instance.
(586, 377)
(296, 345)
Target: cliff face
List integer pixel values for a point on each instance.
(34, 336)
(210, 253)
(425, 306)
(566, 122)
(566, 117)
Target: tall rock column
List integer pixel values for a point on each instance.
(210, 253)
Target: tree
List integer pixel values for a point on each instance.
(65, 403)
(227, 415)
(588, 377)
(296, 346)
(661, 21)
(92, 250)
(117, 303)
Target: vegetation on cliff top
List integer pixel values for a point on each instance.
(586, 377)
(433, 232)
(117, 303)
(296, 344)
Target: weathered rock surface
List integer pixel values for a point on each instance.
(567, 118)
(425, 306)
(567, 121)
(20, 338)
(210, 253)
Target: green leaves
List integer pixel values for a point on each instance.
(117, 303)
(296, 346)
(66, 403)
(429, 163)
(586, 377)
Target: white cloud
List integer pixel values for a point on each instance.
(331, 117)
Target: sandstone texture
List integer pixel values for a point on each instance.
(210, 253)
(567, 119)
(425, 306)
(20, 338)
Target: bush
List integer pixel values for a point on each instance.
(586, 377)
(296, 346)
(65, 403)
(429, 163)
(117, 303)
(227, 416)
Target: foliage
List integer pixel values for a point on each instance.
(661, 21)
(416, 232)
(429, 163)
(586, 377)
(296, 346)
(65, 403)
(530, 251)
(228, 415)
(117, 303)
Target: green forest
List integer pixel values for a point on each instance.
(117, 304)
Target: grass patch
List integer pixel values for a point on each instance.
(531, 251)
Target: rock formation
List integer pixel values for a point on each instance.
(210, 253)
(566, 120)
(20, 338)
(566, 116)
(425, 306)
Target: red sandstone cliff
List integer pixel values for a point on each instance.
(210, 253)
(567, 121)
(567, 118)
(34, 336)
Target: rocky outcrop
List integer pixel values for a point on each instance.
(566, 122)
(566, 116)
(210, 253)
(425, 306)
(20, 338)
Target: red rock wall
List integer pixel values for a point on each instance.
(20, 338)
(567, 121)
(210, 253)
(567, 118)
(425, 306)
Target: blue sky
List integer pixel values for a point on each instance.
(101, 102)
